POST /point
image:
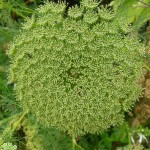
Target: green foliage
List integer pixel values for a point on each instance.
(131, 147)
(7, 99)
(8, 29)
(135, 12)
(78, 74)
(39, 138)
(15, 7)
(123, 137)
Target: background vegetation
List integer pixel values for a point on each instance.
(18, 129)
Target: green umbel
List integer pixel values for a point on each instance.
(76, 70)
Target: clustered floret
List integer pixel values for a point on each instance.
(8, 146)
(77, 70)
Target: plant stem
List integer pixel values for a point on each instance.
(74, 144)
(20, 119)
(15, 125)
(129, 135)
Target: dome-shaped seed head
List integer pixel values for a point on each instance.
(76, 70)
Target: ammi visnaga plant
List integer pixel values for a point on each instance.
(76, 69)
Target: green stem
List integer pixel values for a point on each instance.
(35, 2)
(20, 119)
(79, 147)
(74, 144)
(16, 125)
(129, 135)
